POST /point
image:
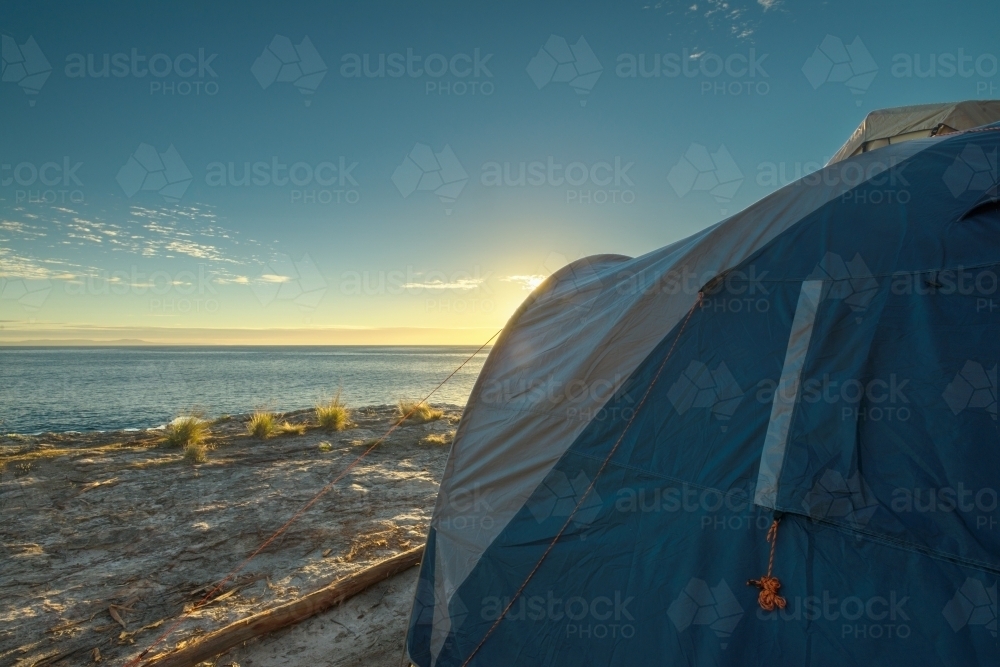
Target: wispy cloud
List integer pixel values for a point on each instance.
(13, 229)
(272, 278)
(16, 265)
(527, 282)
(232, 279)
(738, 18)
(460, 284)
(74, 244)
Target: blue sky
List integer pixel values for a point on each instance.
(363, 243)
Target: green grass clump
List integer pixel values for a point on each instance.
(186, 431)
(262, 424)
(333, 415)
(416, 413)
(325, 446)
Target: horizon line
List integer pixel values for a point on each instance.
(128, 342)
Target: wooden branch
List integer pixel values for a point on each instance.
(287, 614)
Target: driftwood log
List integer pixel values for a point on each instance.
(287, 614)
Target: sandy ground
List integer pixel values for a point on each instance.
(106, 538)
(367, 631)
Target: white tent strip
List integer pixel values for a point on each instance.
(890, 126)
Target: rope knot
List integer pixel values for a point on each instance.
(768, 599)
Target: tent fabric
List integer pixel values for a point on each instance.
(827, 356)
(885, 126)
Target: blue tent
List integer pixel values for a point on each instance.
(824, 362)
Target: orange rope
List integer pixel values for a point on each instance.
(302, 510)
(586, 493)
(768, 599)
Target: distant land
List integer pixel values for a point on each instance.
(70, 342)
(22, 335)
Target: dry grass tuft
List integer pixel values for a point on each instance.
(196, 452)
(363, 546)
(415, 413)
(333, 415)
(291, 429)
(262, 424)
(186, 431)
(438, 438)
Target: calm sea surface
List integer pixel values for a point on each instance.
(88, 388)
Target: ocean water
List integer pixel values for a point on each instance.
(101, 388)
